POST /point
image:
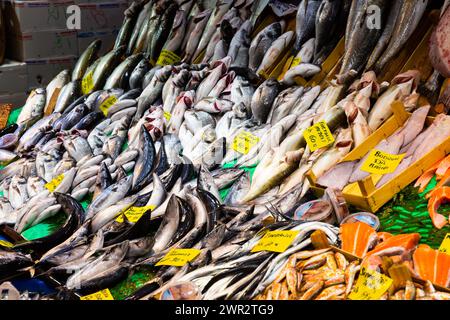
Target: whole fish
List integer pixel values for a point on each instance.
(177, 34)
(382, 108)
(146, 161)
(241, 37)
(263, 99)
(88, 56)
(124, 34)
(185, 101)
(152, 91)
(275, 51)
(284, 103)
(34, 106)
(213, 105)
(199, 24)
(361, 43)
(109, 196)
(211, 80)
(358, 123)
(137, 26)
(242, 92)
(408, 19)
(137, 75)
(160, 35)
(57, 83)
(105, 66)
(325, 24)
(385, 37)
(222, 7)
(119, 78)
(339, 150)
(173, 88)
(356, 9)
(304, 70)
(145, 31)
(305, 22)
(262, 42)
(72, 118)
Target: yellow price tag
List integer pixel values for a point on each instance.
(178, 257)
(318, 136)
(167, 115)
(87, 84)
(244, 142)
(6, 244)
(167, 58)
(133, 214)
(108, 103)
(99, 295)
(52, 185)
(276, 241)
(445, 245)
(296, 62)
(380, 162)
(371, 285)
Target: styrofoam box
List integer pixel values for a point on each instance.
(108, 37)
(42, 44)
(24, 16)
(42, 71)
(17, 99)
(106, 15)
(13, 77)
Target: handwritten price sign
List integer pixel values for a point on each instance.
(371, 285)
(133, 214)
(87, 84)
(244, 142)
(108, 103)
(178, 257)
(99, 295)
(52, 185)
(445, 245)
(318, 136)
(167, 58)
(380, 162)
(275, 241)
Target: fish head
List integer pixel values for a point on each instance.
(407, 76)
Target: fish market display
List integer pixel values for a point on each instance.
(182, 141)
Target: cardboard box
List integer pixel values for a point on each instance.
(107, 15)
(25, 16)
(13, 77)
(42, 44)
(17, 99)
(42, 71)
(108, 37)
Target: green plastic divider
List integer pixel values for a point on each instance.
(408, 213)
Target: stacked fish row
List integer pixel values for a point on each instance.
(375, 32)
(123, 134)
